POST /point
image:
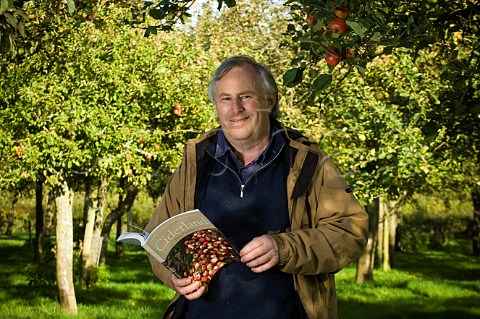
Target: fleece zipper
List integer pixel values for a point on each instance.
(242, 185)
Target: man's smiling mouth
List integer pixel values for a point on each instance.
(239, 120)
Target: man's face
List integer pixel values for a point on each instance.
(241, 106)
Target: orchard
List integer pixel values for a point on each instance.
(98, 98)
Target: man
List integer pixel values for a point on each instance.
(275, 195)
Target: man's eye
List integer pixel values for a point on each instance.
(245, 97)
(225, 99)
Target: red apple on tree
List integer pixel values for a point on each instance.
(177, 109)
(341, 12)
(349, 53)
(19, 149)
(338, 25)
(311, 20)
(332, 57)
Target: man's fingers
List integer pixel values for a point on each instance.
(191, 290)
(260, 254)
(196, 293)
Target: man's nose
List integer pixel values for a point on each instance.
(237, 105)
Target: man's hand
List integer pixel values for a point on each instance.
(260, 254)
(191, 290)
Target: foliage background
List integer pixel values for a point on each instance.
(95, 97)
(87, 95)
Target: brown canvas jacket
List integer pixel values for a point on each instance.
(328, 226)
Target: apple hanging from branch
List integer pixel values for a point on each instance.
(341, 12)
(338, 25)
(332, 57)
(311, 20)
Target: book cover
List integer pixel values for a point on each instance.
(188, 244)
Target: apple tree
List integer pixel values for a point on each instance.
(102, 104)
(335, 40)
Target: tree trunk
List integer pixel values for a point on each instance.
(89, 222)
(366, 261)
(93, 216)
(39, 254)
(11, 216)
(390, 233)
(476, 220)
(124, 205)
(119, 246)
(392, 243)
(49, 214)
(386, 237)
(381, 232)
(64, 250)
(97, 243)
(387, 231)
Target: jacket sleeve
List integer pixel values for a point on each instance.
(334, 227)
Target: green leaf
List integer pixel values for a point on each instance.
(379, 16)
(293, 77)
(297, 60)
(322, 82)
(319, 25)
(150, 30)
(157, 14)
(229, 3)
(410, 25)
(11, 19)
(430, 131)
(376, 37)
(357, 28)
(361, 70)
(21, 29)
(71, 6)
(4, 6)
(22, 13)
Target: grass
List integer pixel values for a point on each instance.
(130, 292)
(426, 285)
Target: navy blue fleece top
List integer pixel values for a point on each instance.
(244, 207)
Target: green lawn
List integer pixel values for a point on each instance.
(424, 286)
(436, 285)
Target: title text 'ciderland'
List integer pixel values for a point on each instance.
(172, 234)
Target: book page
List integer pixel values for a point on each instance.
(132, 238)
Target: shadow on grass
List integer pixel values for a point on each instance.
(440, 265)
(407, 309)
(130, 283)
(132, 266)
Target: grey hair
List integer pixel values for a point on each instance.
(267, 80)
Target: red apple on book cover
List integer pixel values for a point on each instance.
(201, 255)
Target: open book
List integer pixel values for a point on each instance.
(188, 244)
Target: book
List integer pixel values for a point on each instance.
(188, 244)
